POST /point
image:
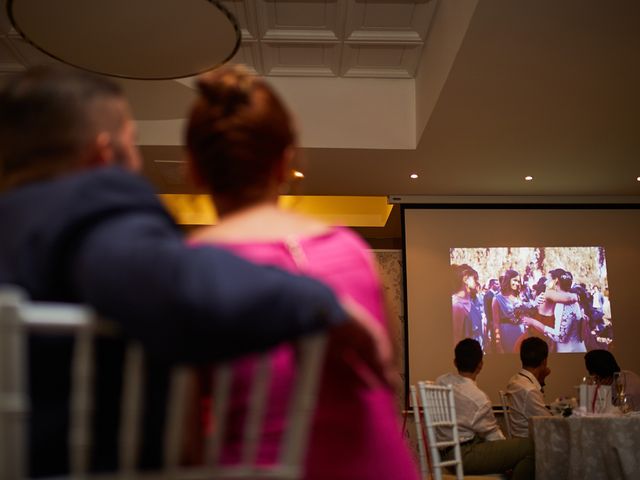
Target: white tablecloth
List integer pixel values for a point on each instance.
(587, 448)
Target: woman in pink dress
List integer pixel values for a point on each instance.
(241, 144)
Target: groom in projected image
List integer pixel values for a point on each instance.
(466, 306)
(493, 287)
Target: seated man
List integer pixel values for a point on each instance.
(525, 387)
(482, 444)
(602, 365)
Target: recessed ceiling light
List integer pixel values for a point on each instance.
(528, 178)
(298, 174)
(414, 175)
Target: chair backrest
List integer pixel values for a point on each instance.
(19, 317)
(422, 449)
(505, 400)
(439, 411)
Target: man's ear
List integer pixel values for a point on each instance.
(100, 151)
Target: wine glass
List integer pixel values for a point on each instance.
(619, 388)
(625, 404)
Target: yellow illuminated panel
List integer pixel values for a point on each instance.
(352, 211)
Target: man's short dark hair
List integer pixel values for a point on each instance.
(601, 363)
(47, 116)
(533, 352)
(468, 355)
(459, 272)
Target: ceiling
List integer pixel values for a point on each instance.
(485, 92)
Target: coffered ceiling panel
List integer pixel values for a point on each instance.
(308, 20)
(350, 38)
(314, 59)
(391, 61)
(387, 21)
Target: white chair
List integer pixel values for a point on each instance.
(19, 317)
(439, 411)
(422, 450)
(505, 400)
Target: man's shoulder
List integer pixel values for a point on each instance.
(448, 379)
(522, 381)
(109, 179)
(105, 191)
(88, 187)
(463, 387)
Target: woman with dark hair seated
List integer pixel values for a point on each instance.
(602, 365)
(241, 144)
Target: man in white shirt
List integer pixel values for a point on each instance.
(482, 444)
(525, 387)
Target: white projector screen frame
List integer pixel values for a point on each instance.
(429, 231)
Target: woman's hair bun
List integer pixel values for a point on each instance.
(227, 89)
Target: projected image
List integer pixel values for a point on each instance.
(500, 296)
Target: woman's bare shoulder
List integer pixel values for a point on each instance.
(261, 225)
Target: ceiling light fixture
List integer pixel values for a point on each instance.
(638, 179)
(145, 39)
(414, 175)
(298, 174)
(528, 178)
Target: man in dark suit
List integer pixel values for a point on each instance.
(492, 288)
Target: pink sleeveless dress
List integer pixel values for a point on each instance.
(356, 432)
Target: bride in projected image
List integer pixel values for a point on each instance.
(559, 301)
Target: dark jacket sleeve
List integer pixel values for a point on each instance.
(189, 303)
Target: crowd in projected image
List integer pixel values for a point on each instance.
(502, 295)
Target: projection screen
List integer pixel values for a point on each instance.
(600, 247)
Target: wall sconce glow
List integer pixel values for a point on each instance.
(298, 174)
(414, 175)
(638, 179)
(528, 178)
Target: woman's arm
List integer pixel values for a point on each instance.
(560, 330)
(560, 297)
(532, 322)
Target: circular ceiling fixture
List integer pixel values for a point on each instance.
(140, 39)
